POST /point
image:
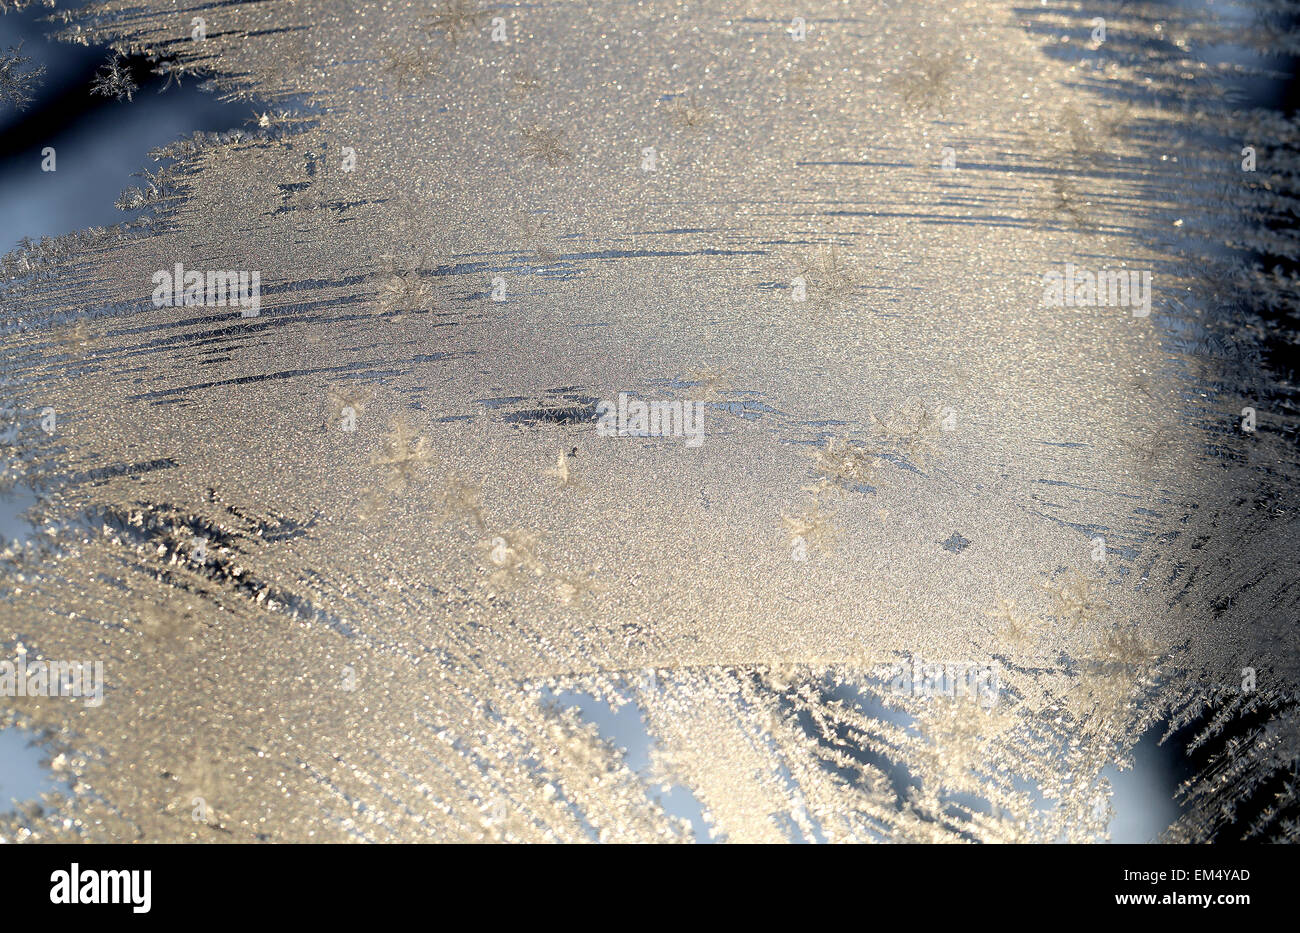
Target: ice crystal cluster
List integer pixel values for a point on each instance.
(360, 566)
(17, 78)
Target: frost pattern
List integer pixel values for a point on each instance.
(388, 602)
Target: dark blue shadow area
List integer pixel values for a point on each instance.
(98, 142)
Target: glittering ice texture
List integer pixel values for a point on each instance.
(339, 557)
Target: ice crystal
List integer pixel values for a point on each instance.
(570, 588)
(455, 19)
(174, 70)
(544, 145)
(18, 83)
(688, 113)
(407, 66)
(814, 528)
(462, 499)
(843, 463)
(563, 474)
(537, 234)
(524, 83)
(512, 555)
(912, 431)
(928, 80)
(346, 403)
(828, 273)
(404, 455)
(115, 80)
(404, 290)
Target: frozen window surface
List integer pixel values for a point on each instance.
(679, 362)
